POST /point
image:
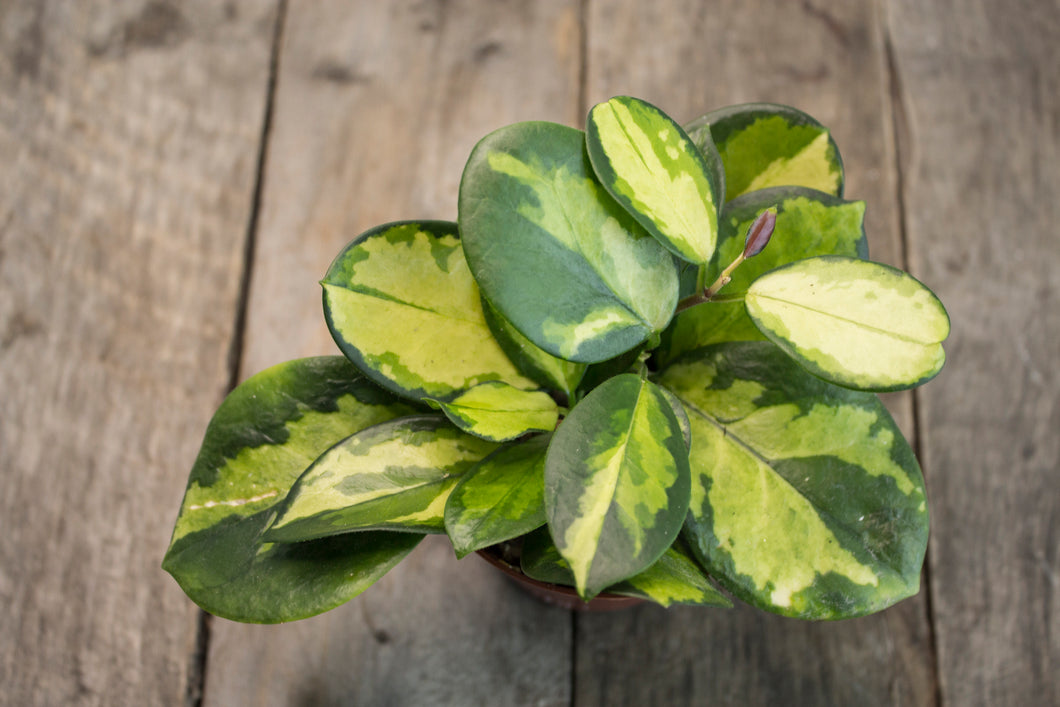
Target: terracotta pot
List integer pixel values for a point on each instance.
(556, 594)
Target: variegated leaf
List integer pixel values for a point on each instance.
(402, 305)
(680, 415)
(765, 145)
(498, 412)
(554, 253)
(616, 482)
(675, 578)
(809, 223)
(806, 499)
(708, 323)
(394, 476)
(540, 559)
(552, 372)
(500, 498)
(853, 322)
(651, 167)
(265, 433)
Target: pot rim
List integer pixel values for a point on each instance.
(557, 594)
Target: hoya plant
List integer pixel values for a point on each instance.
(602, 367)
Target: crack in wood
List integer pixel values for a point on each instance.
(900, 129)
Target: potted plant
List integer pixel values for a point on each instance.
(601, 368)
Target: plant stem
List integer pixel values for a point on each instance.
(642, 364)
(724, 278)
(709, 293)
(758, 236)
(729, 298)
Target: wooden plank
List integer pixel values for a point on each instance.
(128, 140)
(377, 107)
(829, 60)
(981, 96)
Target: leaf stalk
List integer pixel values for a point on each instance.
(758, 236)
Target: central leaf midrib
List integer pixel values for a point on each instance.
(379, 294)
(401, 490)
(622, 450)
(854, 322)
(387, 494)
(479, 408)
(684, 237)
(725, 431)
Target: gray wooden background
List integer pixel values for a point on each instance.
(176, 176)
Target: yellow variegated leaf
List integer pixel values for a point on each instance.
(264, 435)
(501, 498)
(498, 412)
(647, 162)
(806, 500)
(402, 305)
(394, 476)
(853, 322)
(616, 482)
(765, 145)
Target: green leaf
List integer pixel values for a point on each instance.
(551, 372)
(651, 167)
(501, 498)
(394, 476)
(554, 253)
(680, 415)
(499, 412)
(709, 323)
(809, 223)
(675, 578)
(806, 499)
(765, 145)
(540, 559)
(616, 482)
(853, 322)
(259, 441)
(402, 305)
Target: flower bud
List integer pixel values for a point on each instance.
(760, 232)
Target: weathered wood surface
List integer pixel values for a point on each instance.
(376, 109)
(130, 137)
(980, 100)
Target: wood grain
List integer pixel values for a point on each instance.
(377, 107)
(830, 61)
(981, 144)
(128, 135)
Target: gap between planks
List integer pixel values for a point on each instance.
(199, 663)
(900, 132)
